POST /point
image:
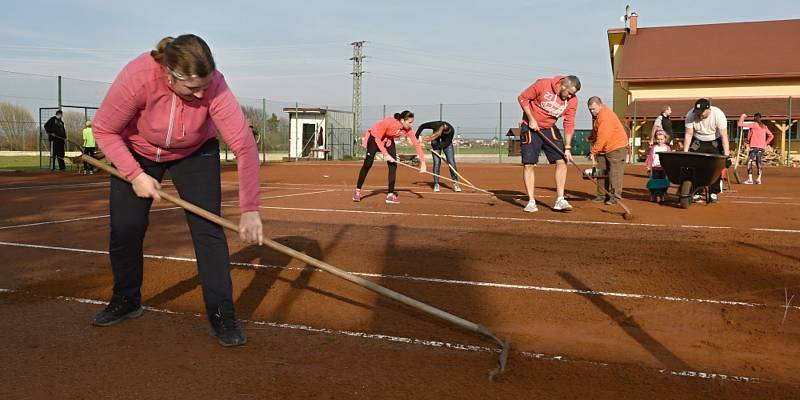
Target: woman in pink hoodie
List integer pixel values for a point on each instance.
(162, 113)
(380, 138)
(758, 137)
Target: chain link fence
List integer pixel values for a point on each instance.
(483, 130)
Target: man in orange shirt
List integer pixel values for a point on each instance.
(609, 147)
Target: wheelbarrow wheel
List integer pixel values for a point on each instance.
(685, 193)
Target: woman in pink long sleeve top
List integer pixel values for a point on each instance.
(380, 137)
(162, 113)
(758, 137)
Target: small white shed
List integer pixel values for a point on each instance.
(320, 133)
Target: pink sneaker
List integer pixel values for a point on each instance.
(391, 198)
(357, 195)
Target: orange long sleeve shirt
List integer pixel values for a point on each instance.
(608, 132)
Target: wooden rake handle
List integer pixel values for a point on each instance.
(447, 179)
(399, 297)
(452, 168)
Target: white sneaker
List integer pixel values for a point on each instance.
(531, 207)
(562, 205)
(749, 181)
(758, 180)
(697, 198)
(436, 187)
(714, 198)
(456, 187)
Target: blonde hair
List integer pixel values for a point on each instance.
(186, 56)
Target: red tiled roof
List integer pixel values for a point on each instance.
(765, 49)
(733, 107)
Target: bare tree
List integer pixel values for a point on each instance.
(254, 117)
(16, 125)
(74, 122)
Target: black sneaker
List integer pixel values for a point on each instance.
(118, 310)
(224, 327)
(599, 199)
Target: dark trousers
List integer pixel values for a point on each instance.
(89, 151)
(709, 147)
(57, 154)
(197, 179)
(372, 150)
(614, 164)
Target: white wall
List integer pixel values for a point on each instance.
(296, 131)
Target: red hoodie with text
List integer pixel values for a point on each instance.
(547, 106)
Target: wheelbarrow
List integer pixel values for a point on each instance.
(692, 172)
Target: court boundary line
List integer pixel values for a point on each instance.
(493, 285)
(419, 342)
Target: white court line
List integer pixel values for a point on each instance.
(230, 202)
(435, 280)
(166, 182)
(520, 219)
(296, 194)
(44, 187)
(413, 341)
(61, 221)
(765, 202)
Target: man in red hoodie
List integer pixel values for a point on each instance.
(543, 103)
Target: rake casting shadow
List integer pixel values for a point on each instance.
(628, 325)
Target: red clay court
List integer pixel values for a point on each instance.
(672, 304)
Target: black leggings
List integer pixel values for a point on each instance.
(197, 178)
(372, 150)
(89, 151)
(756, 155)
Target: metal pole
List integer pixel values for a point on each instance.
(500, 137)
(384, 111)
(297, 137)
(440, 112)
(264, 130)
(634, 159)
(789, 149)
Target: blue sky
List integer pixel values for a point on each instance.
(419, 52)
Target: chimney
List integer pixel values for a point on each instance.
(634, 19)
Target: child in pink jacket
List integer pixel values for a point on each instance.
(658, 182)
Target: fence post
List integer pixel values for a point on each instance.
(500, 137)
(441, 113)
(298, 137)
(264, 129)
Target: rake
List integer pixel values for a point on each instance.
(383, 291)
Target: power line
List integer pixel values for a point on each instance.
(440, 55)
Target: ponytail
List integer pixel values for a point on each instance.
(186, 56)
(403, 115)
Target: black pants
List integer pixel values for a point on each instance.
(89, 151)
(709, 147)
(197, 179)
(372, 150)
(57, 154)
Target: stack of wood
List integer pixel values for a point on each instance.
(771, 157)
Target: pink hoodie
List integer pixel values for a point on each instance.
(391, 128)
(141, 113)
(758, 137)
(547, 106)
